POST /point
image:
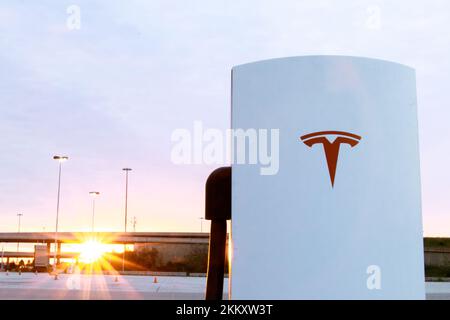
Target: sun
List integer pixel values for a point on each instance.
(91, 251)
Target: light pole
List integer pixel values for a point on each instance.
(94, 195)
(20, 216)
(127, 170)
(60, 160)
(201, 224)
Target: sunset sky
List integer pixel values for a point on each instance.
(110, 94)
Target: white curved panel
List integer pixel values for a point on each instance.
(311, 231)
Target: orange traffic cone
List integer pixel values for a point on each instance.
(116, 279)
(155, 280)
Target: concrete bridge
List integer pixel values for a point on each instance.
(107, 237)
(48, 238)
(30, 255)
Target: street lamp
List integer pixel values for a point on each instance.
(20, 216)
(127, 170)
(60, 160)
(94, 195)
(201, 224)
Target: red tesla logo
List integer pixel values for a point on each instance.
(331, 148)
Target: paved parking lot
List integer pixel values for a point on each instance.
(42, 286)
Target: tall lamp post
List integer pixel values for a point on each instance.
(201, 224)
(60, 160)
(20, 216)
(127, 170)
(94, 195)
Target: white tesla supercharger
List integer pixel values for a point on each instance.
(329, 204)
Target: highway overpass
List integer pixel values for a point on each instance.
(48, 238)
(107, 237)
(30, 255)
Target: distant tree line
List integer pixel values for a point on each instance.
(21, 265)
(195, 261)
